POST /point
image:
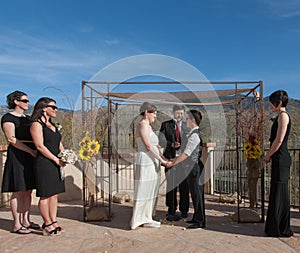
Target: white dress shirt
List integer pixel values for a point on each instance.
(192, 143)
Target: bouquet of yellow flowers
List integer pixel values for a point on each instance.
(252, 149)
(88, 147)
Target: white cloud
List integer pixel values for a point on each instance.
(283, 8)
(35, 62)
(42, 59)
(84, 28)
(112, 42)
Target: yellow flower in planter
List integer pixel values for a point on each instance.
(84, 154)
(85, 140)
(94, 146)
(252, 149)
(88, 147)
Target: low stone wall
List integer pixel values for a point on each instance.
(98, 179)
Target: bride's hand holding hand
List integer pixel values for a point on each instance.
(170, 164)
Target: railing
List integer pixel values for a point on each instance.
(225, 176)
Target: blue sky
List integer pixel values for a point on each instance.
(48, 47)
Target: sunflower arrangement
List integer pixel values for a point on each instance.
(88, 147)
(252, 149)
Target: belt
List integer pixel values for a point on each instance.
(26, 141)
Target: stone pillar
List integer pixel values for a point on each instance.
(208, 160)
(4, 200)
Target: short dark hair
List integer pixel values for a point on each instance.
(146, 106)
(16, 95)
(178, 107)
(277, 96)
(194, 114)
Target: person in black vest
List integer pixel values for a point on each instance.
(172, 138)
(191, 163)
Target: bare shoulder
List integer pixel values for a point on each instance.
(142, 124)
(36, 125)
(284, 117)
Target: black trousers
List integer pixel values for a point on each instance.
(196, 187)
(176, 179)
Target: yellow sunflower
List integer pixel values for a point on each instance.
(252, 149)
(84, 154)
(85, 141)
(88, 147)
(247, 146)
(94, 146)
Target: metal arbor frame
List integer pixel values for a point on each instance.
(90, 96)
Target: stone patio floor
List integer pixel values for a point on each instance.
(220, 235)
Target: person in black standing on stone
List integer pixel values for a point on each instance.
(18, 176)
(190, 161)
(172, 138)
(278, 215)
(49, 184)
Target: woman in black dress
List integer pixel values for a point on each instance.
(278, 216)
(18, 176)
(47, 140)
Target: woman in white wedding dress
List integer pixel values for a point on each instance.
(147, 174)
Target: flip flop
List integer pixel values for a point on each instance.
(22, 231)
(33, 226)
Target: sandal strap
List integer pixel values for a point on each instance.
(54, 231)
(45, 226)
(57, 228)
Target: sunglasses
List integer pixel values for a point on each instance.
(24, 100)
(54, 107)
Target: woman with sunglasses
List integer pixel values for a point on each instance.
(47, 140)
(18, 176)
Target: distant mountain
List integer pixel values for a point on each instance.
(4, 109)
(65, 117)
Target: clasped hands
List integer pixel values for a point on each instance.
(168, 163)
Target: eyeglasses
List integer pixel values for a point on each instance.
(54, 107)
(24, 100)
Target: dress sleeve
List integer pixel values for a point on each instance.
(7, 118)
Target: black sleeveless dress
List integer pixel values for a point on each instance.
(18, 170)
(47, 173)
(278, 216)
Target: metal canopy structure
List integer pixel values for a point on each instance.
(94, 98)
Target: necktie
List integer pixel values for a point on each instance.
(177, 132)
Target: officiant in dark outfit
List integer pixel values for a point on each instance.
(172, 138)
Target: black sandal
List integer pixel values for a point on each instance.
(49, 233)
(22, 231)
(58, 228)
(33, 225)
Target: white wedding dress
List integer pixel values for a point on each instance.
(146, 184)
